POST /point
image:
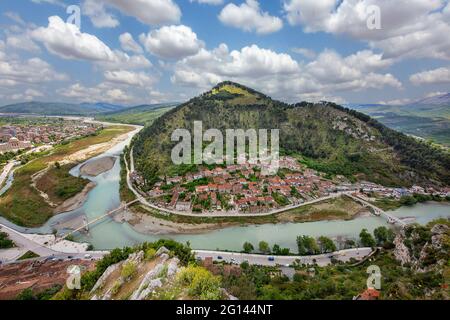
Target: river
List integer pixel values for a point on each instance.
(109, 234)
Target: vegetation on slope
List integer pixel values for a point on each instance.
(5, 242)
(325, 136)
(140, 115)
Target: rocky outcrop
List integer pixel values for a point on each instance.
(401, 252)
(424, 249)
(136, 258)
(101, 281)
(163, 272)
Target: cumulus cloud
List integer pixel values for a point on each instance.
(100, 18)
(409, 28)
(22, 41)
(307, 53)
(129, 44)
(150, 12)
(211, 2)
(18, 76)
(129, 78)
(18, 35)
(172, 42)
(68, 42)
(249, 17)
(280, 75)
(101, 92)
(34, 70)
(436, 76)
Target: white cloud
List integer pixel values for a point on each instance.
(34, 70)
(55, 2)
(436, 76)
(210, 2)
(249, 17)
(279, 75)
(409, 28)
(172, 42)
(307, 53)
(15, 17)
(396, 102)
(150, 12)
(66, 41)
(96, 11)
(22, 41)
(129, 78)
(129, 44)
(434, 94)
(101, 92)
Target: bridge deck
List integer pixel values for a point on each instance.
(110, 213)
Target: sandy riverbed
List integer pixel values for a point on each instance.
(146, 224)
(97, 167)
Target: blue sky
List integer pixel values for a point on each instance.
(149, 51)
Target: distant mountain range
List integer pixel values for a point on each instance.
(59, 109)
(428, 118)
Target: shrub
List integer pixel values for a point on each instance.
(128, 270)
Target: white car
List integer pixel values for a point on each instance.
(87, 256)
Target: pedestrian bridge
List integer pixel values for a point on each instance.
(109, 214)
(378, 212)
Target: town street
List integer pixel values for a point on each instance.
(25, 243)
(6, 170)
(263, 260)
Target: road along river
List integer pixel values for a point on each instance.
(110, 234)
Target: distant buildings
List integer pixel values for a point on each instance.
(23, 136)
(14, 145)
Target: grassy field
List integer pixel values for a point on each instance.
(22, 204)
(59, 184)
(138, 118)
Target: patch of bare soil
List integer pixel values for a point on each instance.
(97, 167)
(35, 275)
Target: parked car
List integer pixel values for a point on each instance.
(219, 258)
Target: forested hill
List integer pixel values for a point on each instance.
(328, 137)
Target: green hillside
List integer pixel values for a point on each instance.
(326, 136)
(428, 118)
(140, 115)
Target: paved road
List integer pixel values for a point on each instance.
(263, 260)
(43, 251)
(6, 170)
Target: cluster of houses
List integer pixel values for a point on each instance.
(18, 137)
(369, 188)
(239, 187)
(242, 188)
